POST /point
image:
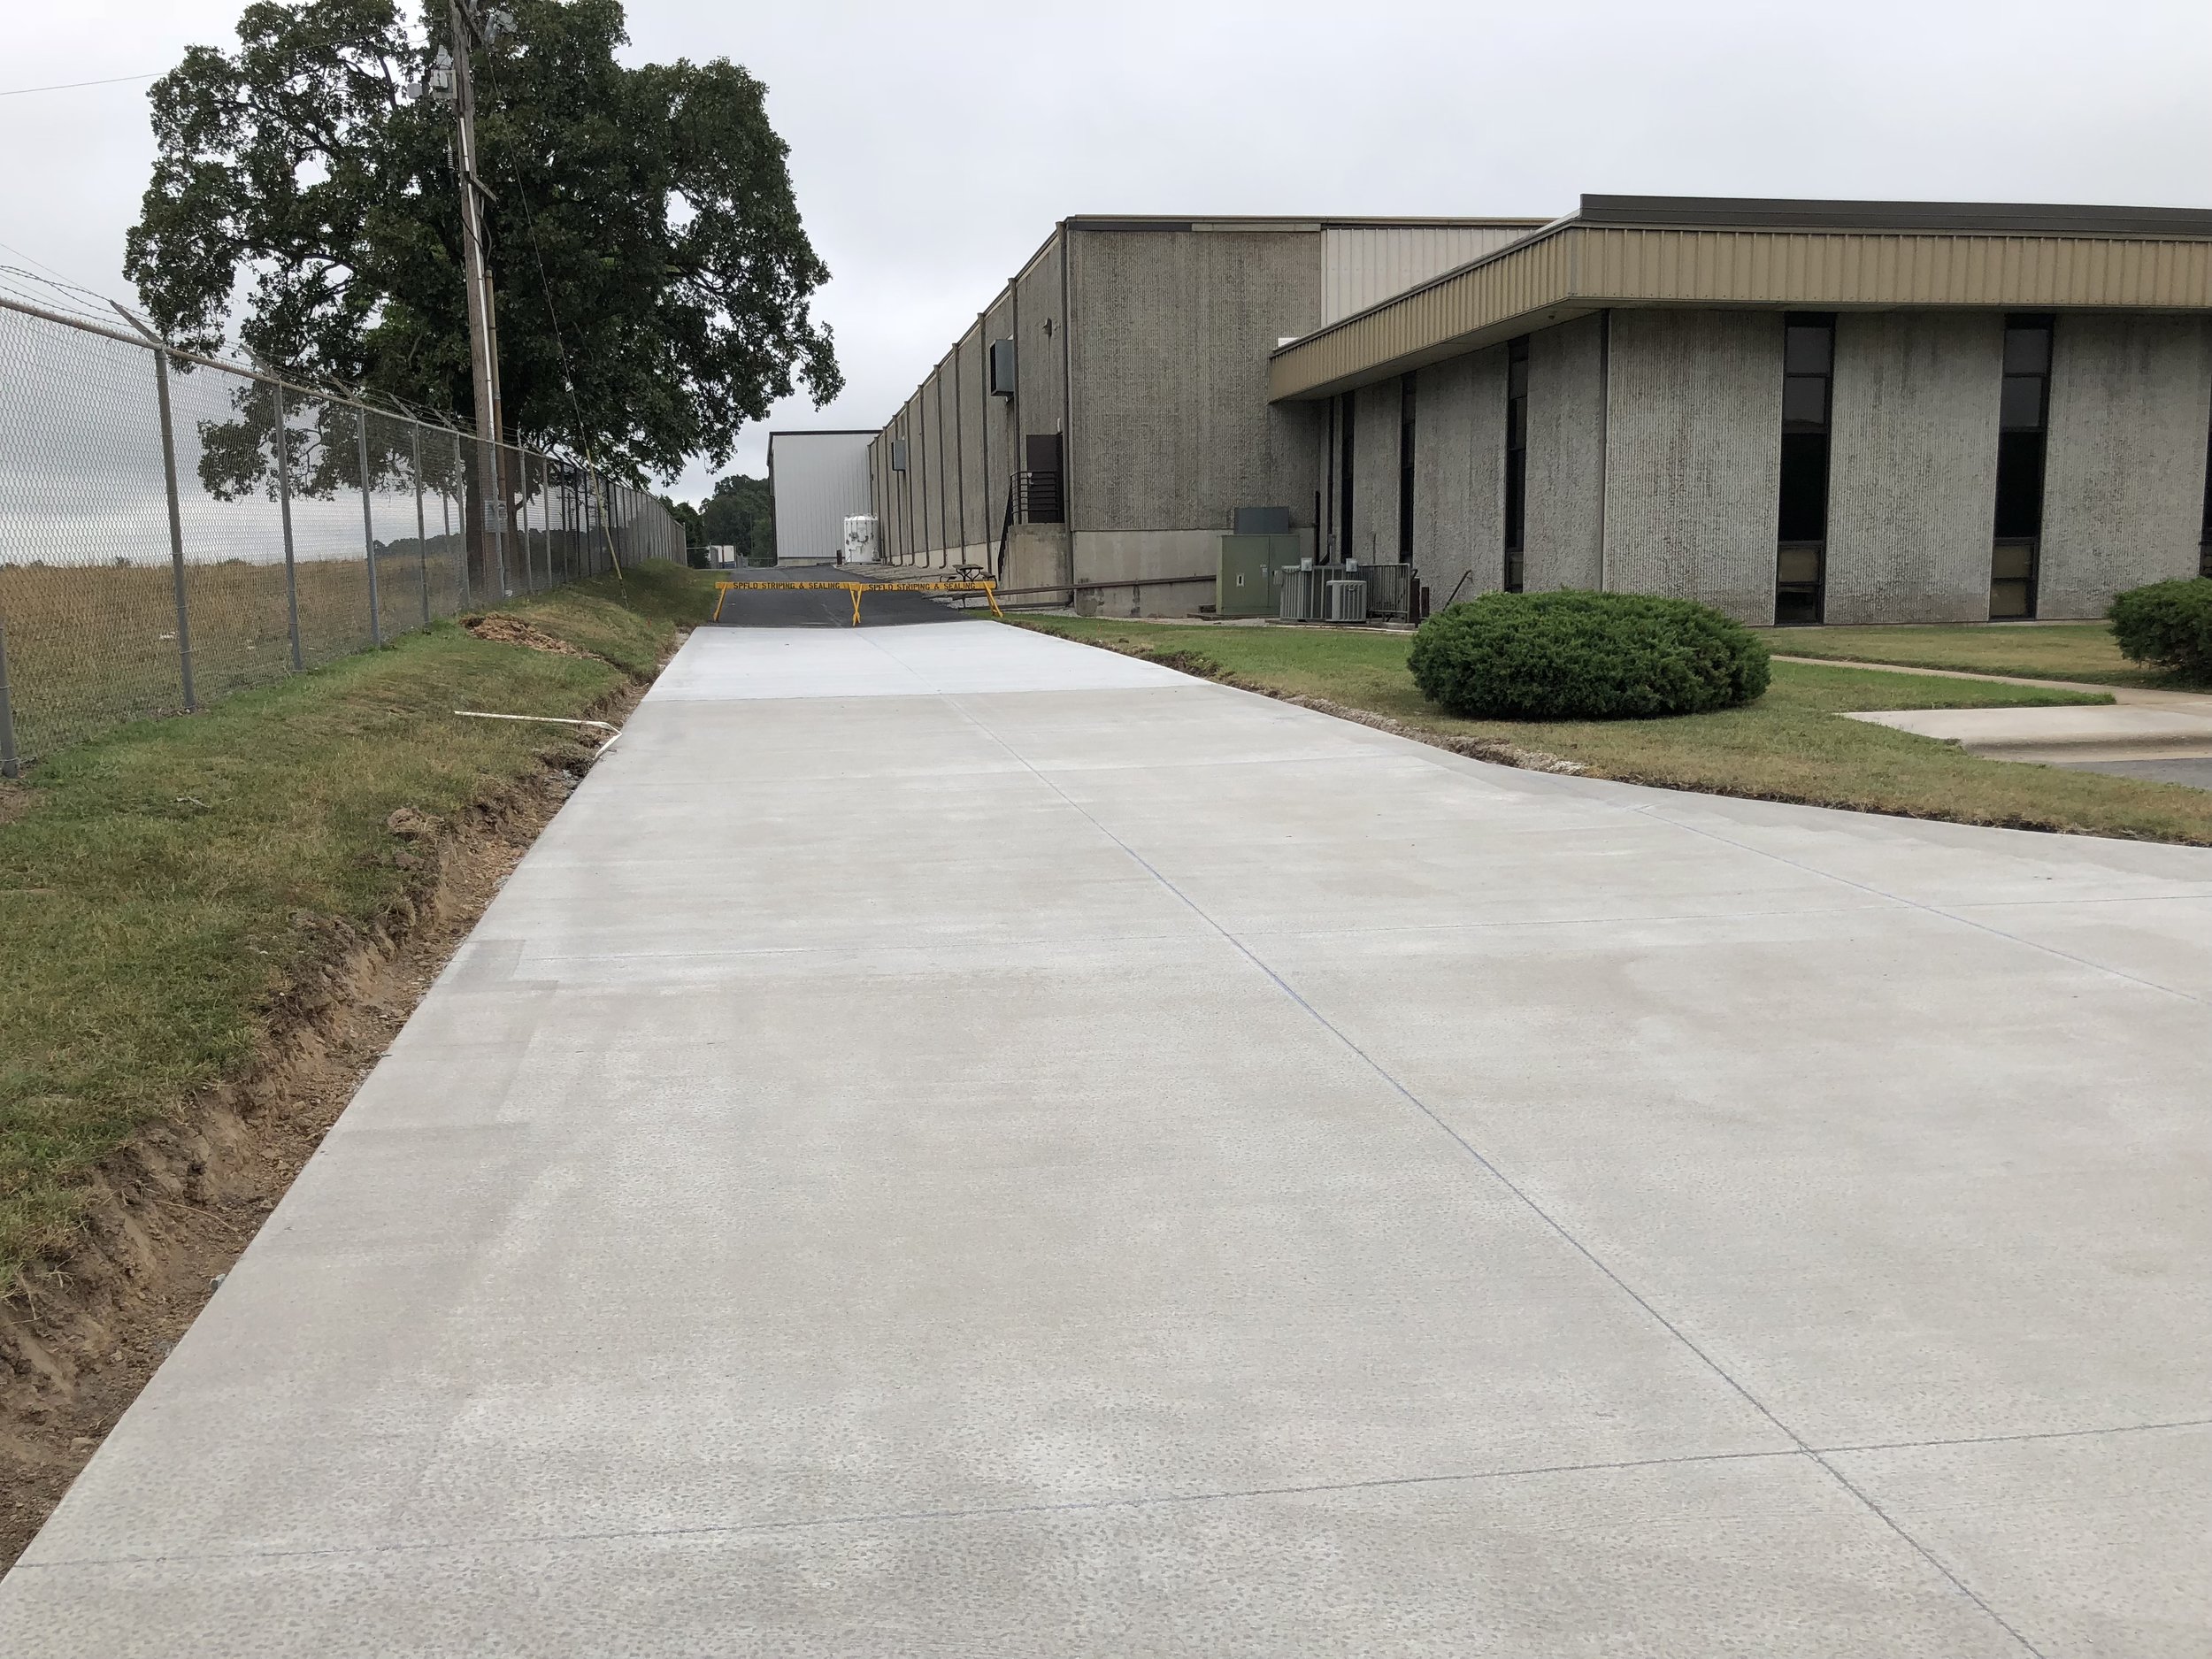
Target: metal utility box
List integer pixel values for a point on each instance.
(1259, 521)
(1001, 368)
(1251, 574)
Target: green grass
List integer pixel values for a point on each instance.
(1787, 746)
(2045, 650)
(159, 885)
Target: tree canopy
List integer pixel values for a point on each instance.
(741, 514)
(645, 244)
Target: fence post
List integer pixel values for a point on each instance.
(368, 528)
(284, 511)
(461, 483)
(10, 763)
(176, 527)
(522, 519)
(422, 532)
(495, 507)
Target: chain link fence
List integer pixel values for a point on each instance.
(173, 529)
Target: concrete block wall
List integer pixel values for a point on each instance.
(1171, 426)
(1565, 528)
(2123, 474)
(1912, 466)
(1041, 341)
(1373, 528)
(1693, 456)
(1459, 476)
(997, 431)
(973, 392)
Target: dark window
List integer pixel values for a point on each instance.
(1405, 469)
(1515, 462)
(2204, 544)
(2024, 411)
(1349, 404)
(1801, 559)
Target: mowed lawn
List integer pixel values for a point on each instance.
(2034, 650)
(1788, 746)
(158, 885)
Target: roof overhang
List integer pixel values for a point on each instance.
(1834, 255)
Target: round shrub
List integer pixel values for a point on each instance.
(2167, 624)
(1586, 656)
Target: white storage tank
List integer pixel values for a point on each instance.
(860, 539)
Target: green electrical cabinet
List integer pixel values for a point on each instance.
(1251, 579)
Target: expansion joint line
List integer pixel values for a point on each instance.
(1527, 1200)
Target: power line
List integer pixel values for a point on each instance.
(71, 86)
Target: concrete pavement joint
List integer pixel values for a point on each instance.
(1139, 1500)
(1506, 1182)
(885, 1517)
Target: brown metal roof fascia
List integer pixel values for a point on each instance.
(1579, 268)
(1987, 219)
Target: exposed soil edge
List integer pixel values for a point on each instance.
(1504, 753)
(172, 1210)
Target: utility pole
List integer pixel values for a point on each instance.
(451, 81)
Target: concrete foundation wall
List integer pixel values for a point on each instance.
(2124, 479)
(1459, 476)
(1693, 449)
(1173, 427)
(1037, 558)
(1374, 528)
(1912, 466)
(1566, 455)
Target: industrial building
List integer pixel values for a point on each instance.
(1108, 409)
(1798, 411)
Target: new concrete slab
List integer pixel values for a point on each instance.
(957, 1143)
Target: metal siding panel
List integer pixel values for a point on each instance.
(821, 478)
(1365, 265)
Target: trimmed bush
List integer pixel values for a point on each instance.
(2167, 625)
(1586, 656)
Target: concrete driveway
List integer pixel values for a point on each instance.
(958, 1143)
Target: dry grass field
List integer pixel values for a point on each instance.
(90, 647)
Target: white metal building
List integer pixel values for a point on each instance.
(818, 479)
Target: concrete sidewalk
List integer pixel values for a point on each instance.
(956, 1142)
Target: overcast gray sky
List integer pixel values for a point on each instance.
(934, 144)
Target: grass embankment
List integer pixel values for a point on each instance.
(1788, 746)
(159, 886)
(2042, 651)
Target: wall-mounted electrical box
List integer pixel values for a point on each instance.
(1259, 521)
(1001, 368)
(898, 455)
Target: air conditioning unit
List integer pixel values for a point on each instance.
(1346, 600)
(1304, 598)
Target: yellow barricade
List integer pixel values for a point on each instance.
(987, 588)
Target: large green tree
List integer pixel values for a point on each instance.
(741, 514)
(654, 279)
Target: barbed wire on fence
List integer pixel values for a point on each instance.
(173, 527)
